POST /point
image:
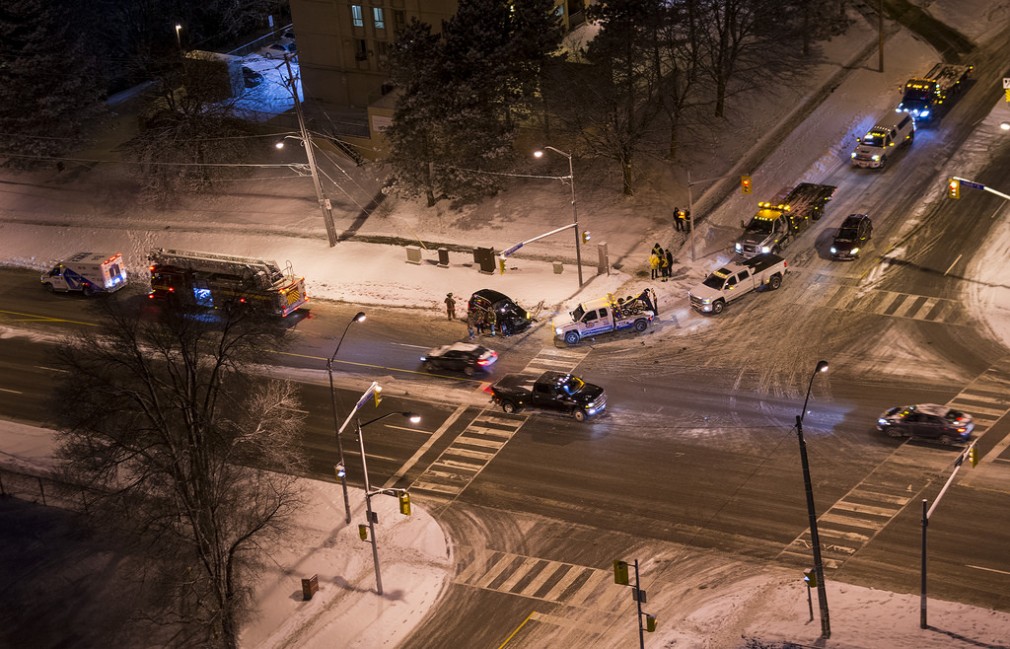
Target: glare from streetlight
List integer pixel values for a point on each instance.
(1004, 126)
(359, 316)
(822, 366)
(538, 153)
(413, 418)
(280, 144)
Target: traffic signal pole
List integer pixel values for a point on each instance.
(954, 183)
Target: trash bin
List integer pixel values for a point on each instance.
(484, 258)
(443, 257)
(558, 268)
(413, 255)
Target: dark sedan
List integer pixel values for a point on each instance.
(467, 358)
(856, 230)
(927, 421)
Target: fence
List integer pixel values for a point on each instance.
(45, 490)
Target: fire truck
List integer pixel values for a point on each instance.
(924, 96)
(776, 224)
(210, 280)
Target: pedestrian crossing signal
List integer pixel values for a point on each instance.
(810, 577)
(953, 188)
(377, 395)
(585, 236)
(745, 185)
(363, 531)
(650, 623)
(973, 456)
(340, 471)
(405, 503)
(621, 572)
(501, 266)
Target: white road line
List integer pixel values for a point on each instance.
(424, 447)
(951, 265)
(1002, 572)
(11, 391)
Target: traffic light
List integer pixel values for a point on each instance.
(621, 572)
(405, 503)
(377, 395)
(810, 577)
(745, 186)
(650, 623)
(585, 236)
(953, 188)
(340, 470)
(973, 456)
(501, 266)
(363, 531)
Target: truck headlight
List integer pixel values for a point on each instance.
(834, 250)
(766, 248)
(558, 331)
(855, 251)
(875, 157)
(924, 113)
(853, 155)
(738, 247)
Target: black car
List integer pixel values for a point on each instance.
(500, 310)
(467, 358)
(927, 421)
(856, 230)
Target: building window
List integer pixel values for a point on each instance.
(399, 19)
(360, 49)
(357, 16)
(378, 18)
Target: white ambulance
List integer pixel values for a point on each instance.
(88, 272)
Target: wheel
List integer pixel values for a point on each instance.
(508, 406)
(883, 161)
(893, 432)
(775, 282)
(49, 287)
(429, 366)
(718, 307)
(468, 370)
(571, 337)
(641, 325)
(579, 414)
(88, 290)
(946, 440)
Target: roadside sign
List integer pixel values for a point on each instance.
(1006, 83)
(973, 185)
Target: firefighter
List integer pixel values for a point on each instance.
(683, 224)
(450, 306)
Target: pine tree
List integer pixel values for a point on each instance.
(50, 82)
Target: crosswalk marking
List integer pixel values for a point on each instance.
(558, 360)
(872, 504)
(892, 304)
(542, 579)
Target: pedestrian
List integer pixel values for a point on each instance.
(677, 224)
(683, 220)
(669, 263)
(664, 266)
(450, 306)
(471, 322)
(654, 263)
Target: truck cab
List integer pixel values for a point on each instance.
(873, 149)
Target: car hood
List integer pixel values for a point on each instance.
(843, 244)
(588, 393)
(867, 150)
(753, 239)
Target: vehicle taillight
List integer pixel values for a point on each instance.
(489, 389)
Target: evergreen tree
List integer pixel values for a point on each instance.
(50, 82)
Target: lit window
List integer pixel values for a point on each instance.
(377, 17)
(357, 16)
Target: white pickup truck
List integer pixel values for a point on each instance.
(735, 280)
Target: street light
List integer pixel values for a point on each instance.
(575, 212)
(178, 35)
(342, 467)
(414, 418)
(324, 202)
(815, 539)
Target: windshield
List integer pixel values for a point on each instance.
(847, 234)
(714, 281)
(759, 226)
(875, 139)
(913, 95)
(572, 385)
(578, 313)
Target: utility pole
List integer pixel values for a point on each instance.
(324, 202)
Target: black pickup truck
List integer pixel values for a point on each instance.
(550, 391)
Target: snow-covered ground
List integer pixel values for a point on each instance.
(272, 219)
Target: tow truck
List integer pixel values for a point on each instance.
(924, 96)
(608, 314)
(776, 224)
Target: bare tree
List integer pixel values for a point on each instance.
(164, 417)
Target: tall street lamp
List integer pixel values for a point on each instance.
(324, 202)
(368, 489)
(341, 468)
(815, 539)
(178, 35)
(575, 212)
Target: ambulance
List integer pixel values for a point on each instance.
(90, 273)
